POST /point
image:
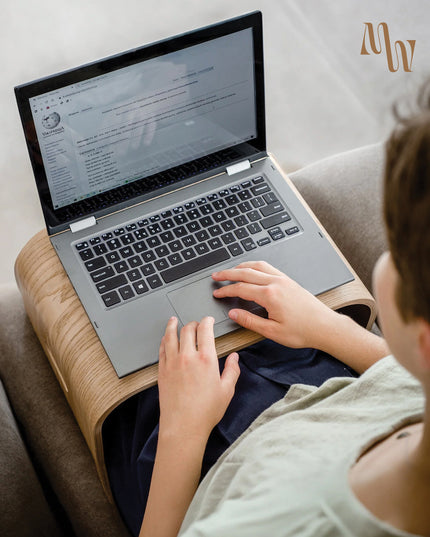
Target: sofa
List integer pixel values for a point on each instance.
(48, 481)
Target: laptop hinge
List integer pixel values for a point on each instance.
(82, 224)
(239, 167)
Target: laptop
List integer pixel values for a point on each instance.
(152, 172)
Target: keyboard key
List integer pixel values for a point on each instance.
(95, 240)
(215, 230)
(193, 214)
(254, 228)
(273, 208)
(140, 287)
(246, 184)
(180, 219)
(219, 204)
(202, 235)
(248, 244)
(102, 274)
(166, 214)
(134, 275)
(228, 225)
(270, 197)
(100, 249)
(139, 247)
(180, 231)
(189, 205)
(212, 197)
(276, 233)
(113, 244)
(113, 257)
(189, 253)
(201, 201)
(175, 246)
(135, 261)
(257, 180)
(148, 269)
(245, 195)
(245, 207)
(175, 259)
(206, 221)
(241, 233)
(119, 231)
(86, 254)
(232, 199)
(162, 251)
(260, 189)
(107, 236)
(121, 266)
(224, 192)
(143, 222)
(154, 229)
(232, 212)
(130, 227)
(241, 221)
(235, 249)
(152, 242)
(167, 236)
(206, 209)
(127, 239)
(199, 263)
(292, 230)
(168, 223)
(140, 234)
(253, 215)
(155, 218)
(189, 241)
(202, 248)
(95, 264)
(228, 238)
(219, 217)
(110, 299)
(275, 220)
(263, 241)
(154, 281)
(161, 264)
(193, 226)
(81, 245)
(112, 283)
(258, 202)
(178, 210)
(148, 256)
(215, 243)
(126, 292)
(126, 252)
(235, 188)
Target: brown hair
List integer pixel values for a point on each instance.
(407, 208)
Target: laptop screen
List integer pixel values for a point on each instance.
(144, 123)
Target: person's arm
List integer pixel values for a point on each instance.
(193, 399)
(296, 318)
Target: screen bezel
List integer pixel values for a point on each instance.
(58, 220)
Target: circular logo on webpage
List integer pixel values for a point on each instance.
(51, 121)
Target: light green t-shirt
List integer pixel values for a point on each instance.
(288, 472)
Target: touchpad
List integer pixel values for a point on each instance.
(195, 301)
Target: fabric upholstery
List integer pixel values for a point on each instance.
(345, 192)
(24, 511)
(49, 427)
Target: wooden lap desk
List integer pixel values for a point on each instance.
(77, 357)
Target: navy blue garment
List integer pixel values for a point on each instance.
(130, 433)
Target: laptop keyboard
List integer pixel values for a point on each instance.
(143, 255)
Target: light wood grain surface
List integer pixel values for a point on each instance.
(77, 357)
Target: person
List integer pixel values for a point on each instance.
(351, 456)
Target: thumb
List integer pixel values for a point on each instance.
(249, 321)
(230, 373)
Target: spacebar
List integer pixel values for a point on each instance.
(205, 261)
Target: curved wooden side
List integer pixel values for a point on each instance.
(77, 357)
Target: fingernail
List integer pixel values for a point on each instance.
(233, 314)
(214, 274)
(235, 357)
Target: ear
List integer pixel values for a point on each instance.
(424, 343)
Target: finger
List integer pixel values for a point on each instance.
(244, 274)
(230, 374)
(162, 351)
(171, 344)
(205, 337)
(187, 341)
(246, 291)
(261, 266)
(252, 322)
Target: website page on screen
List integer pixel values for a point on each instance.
(146, 118)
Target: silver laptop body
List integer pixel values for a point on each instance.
(152, 172)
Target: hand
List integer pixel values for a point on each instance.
(193, 394)
(296, 318)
